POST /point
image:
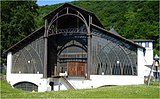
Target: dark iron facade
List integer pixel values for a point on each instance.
(74, 41)
(112, 56)
(29, 59)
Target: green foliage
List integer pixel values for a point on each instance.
(43, 11)
(132, 91)
(17, 21)
(132, 19)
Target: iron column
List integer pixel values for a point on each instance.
(45, 50)
(89, 50)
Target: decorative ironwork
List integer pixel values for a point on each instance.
(29, 59)
(68, 31)
(111, 56)
(66, 22)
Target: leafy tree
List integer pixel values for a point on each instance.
(17, 21)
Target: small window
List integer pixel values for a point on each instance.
(147, 44)
(140, 43)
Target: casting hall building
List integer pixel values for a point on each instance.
(73, 51)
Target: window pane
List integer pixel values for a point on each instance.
(147, 44)
(140, 43)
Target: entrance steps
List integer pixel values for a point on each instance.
(67, 83)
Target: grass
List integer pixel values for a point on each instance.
(131, 91)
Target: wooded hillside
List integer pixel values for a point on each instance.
(132, 20)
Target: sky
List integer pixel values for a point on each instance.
(50, 2)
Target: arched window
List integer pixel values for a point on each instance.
(28, 86)
(120, 57)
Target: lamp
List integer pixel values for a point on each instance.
(156, 64)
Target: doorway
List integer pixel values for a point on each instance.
(76, 68)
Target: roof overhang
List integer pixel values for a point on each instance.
(143, 40)
(118, 36)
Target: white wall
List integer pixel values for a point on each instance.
(37, 79)
(101, 80)
(9, 65)
(149, 54)
(148, 58)
(140, 63)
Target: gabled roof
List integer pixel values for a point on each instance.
(94, 18)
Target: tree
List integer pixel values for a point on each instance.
(17, 21)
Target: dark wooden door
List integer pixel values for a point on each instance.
(81, 69)
(72, 68)
(76, 68)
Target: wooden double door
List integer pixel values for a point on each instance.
(76, 68)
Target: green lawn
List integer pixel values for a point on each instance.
(132, 91)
